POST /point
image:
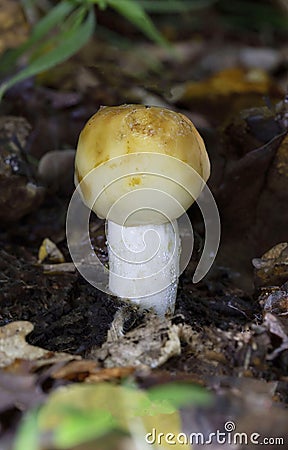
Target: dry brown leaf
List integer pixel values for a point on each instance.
(110, 374)
(279, 328)
(251, 211)
(76, 370)
(159, 341)
(18, 391)
(13, 347)
(90, 371)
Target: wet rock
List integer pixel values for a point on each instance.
(56, 171)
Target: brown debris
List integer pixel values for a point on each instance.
(272, 268)
(90, 372)
(151, 345)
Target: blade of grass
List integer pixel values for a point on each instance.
(66, 29)
(76, 18)
(69, 44)
(136, 14)
(56, 14)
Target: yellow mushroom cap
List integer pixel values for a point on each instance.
(134, 153)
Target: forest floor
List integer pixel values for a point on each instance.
(229, 333)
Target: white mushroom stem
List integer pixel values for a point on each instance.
(144, 264)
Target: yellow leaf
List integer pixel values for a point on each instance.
(227, 82)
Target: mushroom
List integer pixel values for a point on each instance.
(141, 168)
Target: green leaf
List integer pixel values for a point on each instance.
(68, 44)
(53, 18)
(75, 414)
(179, 394)
(27, 435)
(136, 14)
(79, 426)
(28, 7)
(75, 18)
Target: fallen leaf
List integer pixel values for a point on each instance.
(78, 413)
(110, 374)
(20, 391)
(89, 371)
(275, 326)
(250, 211)
(224, 83)
(159, 342)
(279, 328)
(13, 347)
(48, 250)
(241, 183)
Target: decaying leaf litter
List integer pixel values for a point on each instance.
(230, 332)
